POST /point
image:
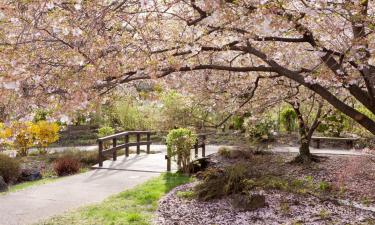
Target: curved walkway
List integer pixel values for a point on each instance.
(37, 203)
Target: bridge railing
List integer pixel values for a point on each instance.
(125, 136)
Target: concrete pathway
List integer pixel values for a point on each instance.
(41, 202)
(38, 203)
(350, 152)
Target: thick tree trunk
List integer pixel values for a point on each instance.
(304, 151)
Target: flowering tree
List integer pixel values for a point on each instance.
(69, 52)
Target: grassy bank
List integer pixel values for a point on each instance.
(134, 206)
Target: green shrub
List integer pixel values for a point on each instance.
(9, 168)
(179, 143)
(66, 165)
(260, 129)
(333, 125)
(237, 122)
(105, 131)
(134, 116)
(288, 119)
(176, 110)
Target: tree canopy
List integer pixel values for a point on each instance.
(66, 54)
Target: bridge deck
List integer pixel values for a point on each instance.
(148, 162)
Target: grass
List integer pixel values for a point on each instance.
(28, 184)
(134, 206)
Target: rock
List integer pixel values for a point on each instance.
(248, 203)
(3, 185)
(30, 175)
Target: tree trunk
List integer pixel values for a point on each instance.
(304, 150)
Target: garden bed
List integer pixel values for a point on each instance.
(282, 208)
(338, 190)
(40, 169)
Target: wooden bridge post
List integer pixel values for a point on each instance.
(204, 146)
(196, 146)
(126, 147)
(168, 158)
(138, 145)
(100, 157)
(114, 154)
(148, 142)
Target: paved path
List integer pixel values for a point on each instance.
(41, 202)
(320, 151)
(37, 203)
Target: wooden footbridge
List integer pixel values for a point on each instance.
(151, 161)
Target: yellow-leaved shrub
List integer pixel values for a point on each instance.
(26, 135)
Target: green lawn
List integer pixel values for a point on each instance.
(134, 206)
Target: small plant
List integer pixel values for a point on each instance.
(259, 129)
(105, 131)
(66, 165)
(179, 143)
(324, 214)
(324, 186)
(234, 176)
(9, 168)
(224, 152)
(186, 194)
(284, 207)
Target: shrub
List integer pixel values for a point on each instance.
(28, 134)
(40, 115)
(23, 137)
(89, 158)
(259, 129)
(333, 125)
(176, 110)
(224, 152)
(234, 176)
(237, 122)
(105, 131)
(219, 183)
(9, 168)
(179, 143)
(66, 165)
(131, 115)
(288, 119)
(5, 134)
(45, 133)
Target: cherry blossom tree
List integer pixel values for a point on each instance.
(66, 53)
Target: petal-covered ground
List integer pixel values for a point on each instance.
(283, 208)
